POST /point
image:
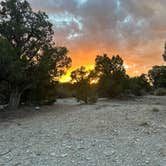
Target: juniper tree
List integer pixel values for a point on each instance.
(26, 45)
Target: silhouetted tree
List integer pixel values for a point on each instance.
(84, 88)
(157, 76)
(50, 67)
(139, 85)
(164, 55)
(27, 54)
(112, 75)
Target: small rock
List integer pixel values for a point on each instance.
(27, 150)
(7, 157)
(88, 158)
(37, 108)
(136, 129)
(93, 144)
(80, 147)
(147, 162)
(64, 155)
(52, 154)
(109, 153)
(69, 147)
(2, 107)
(38, 154)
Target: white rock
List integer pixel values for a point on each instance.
(147, 162)
(37, 108)
(88, 158)
(64, 155)
(69, 147)
(52, 154)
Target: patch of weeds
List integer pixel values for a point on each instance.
(155, 110)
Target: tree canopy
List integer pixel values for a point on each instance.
(164, 54)
(157, 76)
(28, 54)
(112, 75)
(83, 79)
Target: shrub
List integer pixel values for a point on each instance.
(160, 92)
(157, 76)
(155, 110)
(29, 59)
(82, 83)
(112, 76)
(139, 85)
(65, 90)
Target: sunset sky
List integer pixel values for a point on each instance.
(136, 30)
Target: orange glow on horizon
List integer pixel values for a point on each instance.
(135, 31)
(135, 63)
(130, 69)
(66, 78)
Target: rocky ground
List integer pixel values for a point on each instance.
(108, 133)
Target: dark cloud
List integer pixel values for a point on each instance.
(134, 29)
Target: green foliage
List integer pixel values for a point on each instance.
(65, 90)
(112, 76)
(85, 91)
(157, 76)
(139, 85)
(28, 58)
(50, 67)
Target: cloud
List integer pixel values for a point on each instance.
(134, 29)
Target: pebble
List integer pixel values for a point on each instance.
(88, 158)
(80, 147)
(37, 108)
(108, 153)
(64, 155)
(53, 154)
(147, 162)
(69, 147)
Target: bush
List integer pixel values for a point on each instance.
(111, 87)
(65, 90)
(155, 110)
(112, 76)
(85, 93)
(139, 85)
(92, 98)
(157, 76)
(29, 59)
(82, 85)
(160, 92)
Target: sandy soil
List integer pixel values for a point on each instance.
(108, 133)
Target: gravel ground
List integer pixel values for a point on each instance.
(108, 133)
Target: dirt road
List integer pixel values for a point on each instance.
(108, 133)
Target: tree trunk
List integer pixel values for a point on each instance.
(14, 100)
